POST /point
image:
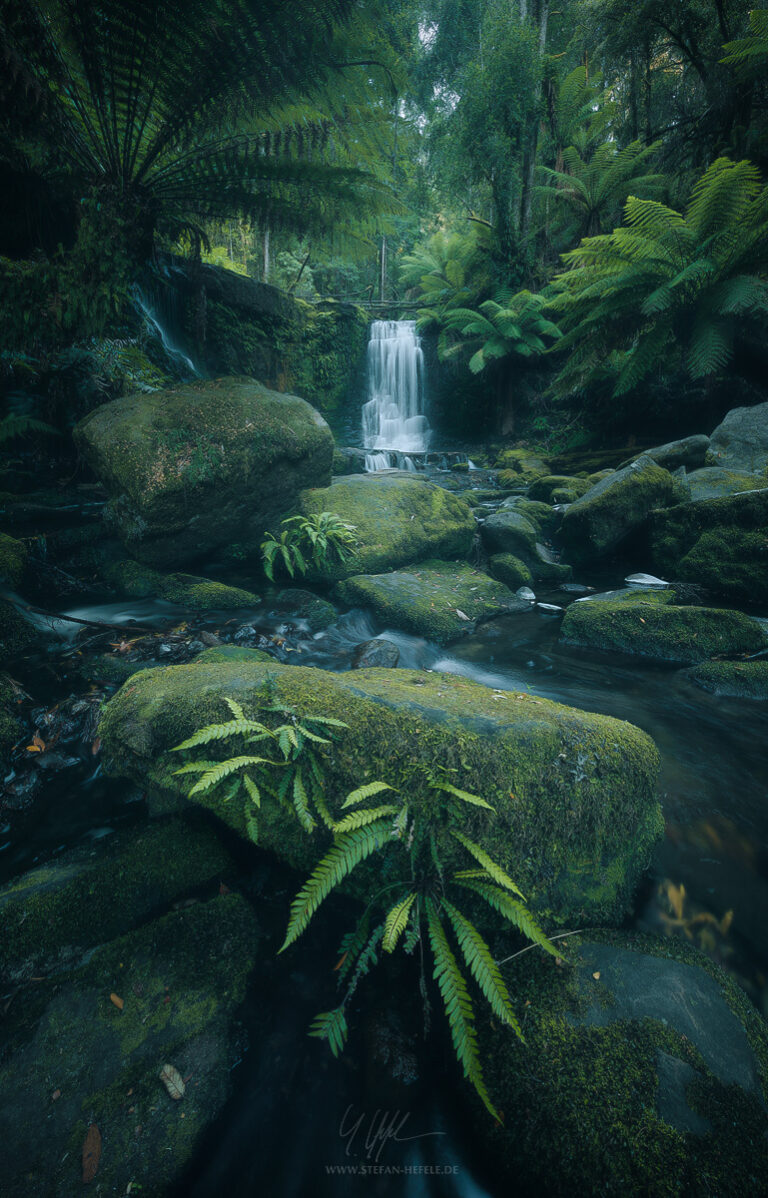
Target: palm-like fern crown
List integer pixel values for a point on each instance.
(192, 107)
(750, 52)
(666, 283)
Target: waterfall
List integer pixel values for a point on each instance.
(176, 356)
(394, 424)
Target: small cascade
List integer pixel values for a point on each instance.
(394, 424)
(149, 310)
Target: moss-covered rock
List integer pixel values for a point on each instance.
(715, 481)
(508, 531)
(303, 605)
(16, 633)
(74, 1058)
(540, 515)
(398, 518)
(13, 560)
(203, 465)
(521, 466)
(644, 1072)
(510, 570)
(544, 489)
(10, 728)
(690, 452)
(660, 629)
(186, 590)
(740, 442)
(721, 544)
(574, 792)
(615, 508)
(90, 895)
(441, 601)
(231, 653)
(737, 679)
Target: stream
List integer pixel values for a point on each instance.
(298, 1117)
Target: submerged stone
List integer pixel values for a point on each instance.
(398, 519)
(441, 601)
(202, 466)
(643, 1072)
(378, 653)
(651, 626)
(574, 791)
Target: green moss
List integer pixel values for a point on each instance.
(441, 601)
(540, 515)
(721, 544)
(573, 791)
(591, 1093)
(86, 897)
(711, 483)
(398, 520)
(739, 679)
(16, 634)
(10, 728)
(660, 629)
(304, 605)
(544, 489)
(180, 980)
(231, 653)
(187, 590)
(510, 570)
(508, 531)
(13, 560)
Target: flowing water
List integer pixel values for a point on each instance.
(287, 1129)
(394, 424)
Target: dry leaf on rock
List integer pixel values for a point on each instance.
(91, 1153)
(173, 1082)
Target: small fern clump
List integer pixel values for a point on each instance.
(294, 778)
(308, 541)
(423, 908)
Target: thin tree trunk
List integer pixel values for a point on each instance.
(383, 270)
(529, 159)
(265, 272)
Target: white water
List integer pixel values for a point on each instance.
(394, 424)
(181, 361)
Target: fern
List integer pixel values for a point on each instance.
(222, 770)
(359, 819)
(494, 871)
(484, 969)
(365, 792)
(331, 1026)
(513, 911)
(396, 921)
(212, 732)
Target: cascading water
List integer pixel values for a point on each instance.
(180, 361)
(394, 424)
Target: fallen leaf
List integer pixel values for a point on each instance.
(91, 1153)
(462, 615)
(96, 745)
(596, 976)
(117, 1000)
(223, 889)
(38, 744)
(173, 1082)
(56, 1094)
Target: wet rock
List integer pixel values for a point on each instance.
(719, 544)
(735, 679)
(233, 653)
(715, 481)
(689, 452)
(615, 508)
(186, 590)
(13, 560)
(179, 980)
(640, 1070)
(398, 519)
(441, 601)
(510, 570)
(652, 626)
(317, 612)
(741, 441)
(574, 791)
(526, 594)
(547, 567)
(646, 580)
(575, 588)
(203, 466)
(378, 652)
(558, 488)
(16, 633)
(507, 531)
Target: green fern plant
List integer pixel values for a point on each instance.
(293, 776)
(668, 287)
(503, 327)
(420, 832)
(316, 541)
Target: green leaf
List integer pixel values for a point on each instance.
(465, 796)
(512, 910)
(358, 819)
(484, 969)
(396, 921)
(480, 855)
(365, 792)
(331, 1026)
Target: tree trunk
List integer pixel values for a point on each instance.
(265, 272)
(529, 157)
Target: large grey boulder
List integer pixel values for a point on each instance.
(713, 481)
(741, 441)
(690, 452)
(204, 465)
(616, 507)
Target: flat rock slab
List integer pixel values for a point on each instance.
(441, 601)
(574, 791)
(714, 481)
(398, 519)
(203, 466)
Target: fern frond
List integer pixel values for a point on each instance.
(365, 792)
(212, 732)
(464, 795)
(331, 1026)
(235, 708)
(512, 910)
(396, 921)
(482, 966)
(301, 803)
(222, 770)
(458, 1006)
(252, 789)
(349, 850)
(359, 819)
(480, 855)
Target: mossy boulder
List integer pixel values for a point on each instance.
(10, 727)
(231, 653)
(644, 1072)
(510, 570)
(721, 544)
(540, 515)
(740, 442)
(398, 518)
(508, 531)
(574, 792)
(661, 629)
(441, 601)
(13, 560)
(615, 508)
(90, 895)
(520, 467)
(303, 605)
(187, 590)
(544, 490)
(73, 1058)
(690, 452)
(714, 481)
(203, 465)
(736, 679)
(16, 633)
